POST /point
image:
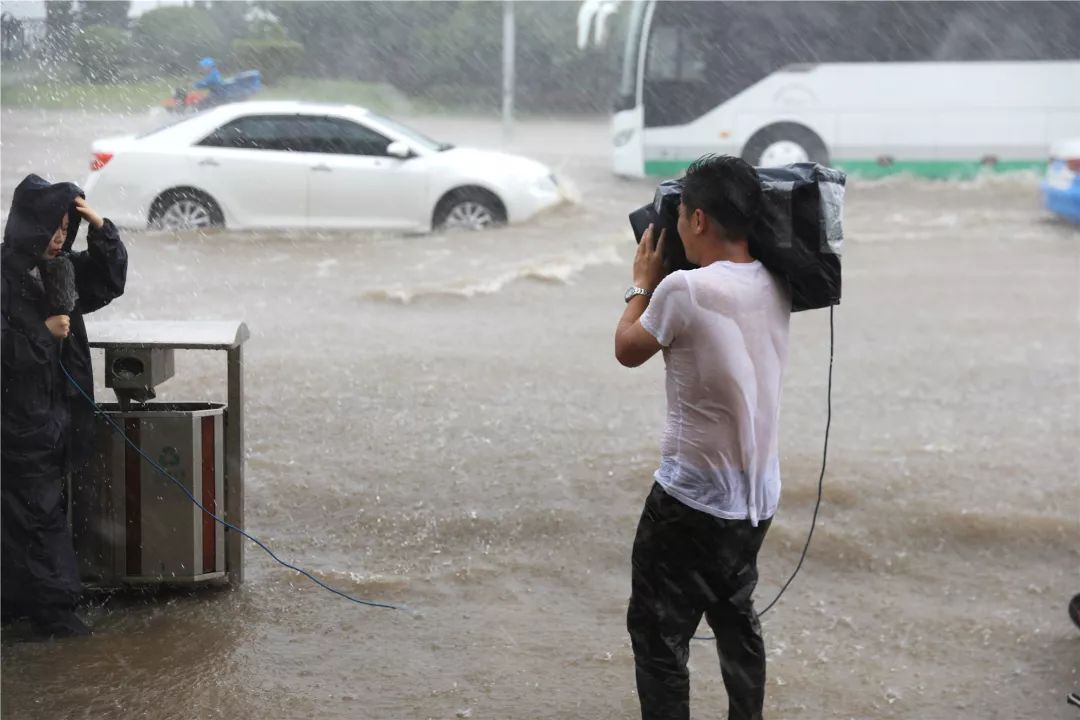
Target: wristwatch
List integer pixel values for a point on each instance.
(630, 293)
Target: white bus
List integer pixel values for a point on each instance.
(937, 89)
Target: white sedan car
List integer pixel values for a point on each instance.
(304, 165)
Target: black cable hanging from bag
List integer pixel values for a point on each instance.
(120, 431)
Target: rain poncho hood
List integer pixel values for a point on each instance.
(37, 209)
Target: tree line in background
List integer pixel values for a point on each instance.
(447, 52)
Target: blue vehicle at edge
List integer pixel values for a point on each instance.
(1061, 185)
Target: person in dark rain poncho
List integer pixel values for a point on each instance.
(47, 427)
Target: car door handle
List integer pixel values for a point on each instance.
(209, 162)
(321, 168)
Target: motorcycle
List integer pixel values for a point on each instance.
(232, 89)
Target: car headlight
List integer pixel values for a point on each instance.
(545, 184)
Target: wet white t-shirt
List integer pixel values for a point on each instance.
(724, 329)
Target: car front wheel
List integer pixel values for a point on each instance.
(469, 210)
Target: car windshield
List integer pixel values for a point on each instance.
(416, 137)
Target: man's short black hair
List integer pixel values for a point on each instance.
(727, 189)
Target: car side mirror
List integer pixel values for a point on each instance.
(399, 149)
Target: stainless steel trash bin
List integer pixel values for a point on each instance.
(132, 524)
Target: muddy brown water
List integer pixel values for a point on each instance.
(439, 421)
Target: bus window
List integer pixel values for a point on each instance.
(973, 35)
(676, 54)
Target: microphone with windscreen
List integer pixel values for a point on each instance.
(58, 277)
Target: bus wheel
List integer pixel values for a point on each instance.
(783, 144)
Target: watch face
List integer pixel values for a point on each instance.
(629, 294)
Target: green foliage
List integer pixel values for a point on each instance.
(101, 52)
(138, 96)
(174, 38)
(263, 25)
(464, 47)
(381, 98)
(334, 35)
(437, 55)
(276, 59)
(451, 52)
(104, 12)
(59, 27)
(552, 73)
(231, 18)
(75, 95)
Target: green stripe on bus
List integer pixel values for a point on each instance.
(954, 169)
(666, 168)
(951, 169)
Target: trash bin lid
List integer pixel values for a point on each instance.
(167, 409)
(184, 334)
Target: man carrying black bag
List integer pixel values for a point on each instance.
(47, 429)
(723, 329)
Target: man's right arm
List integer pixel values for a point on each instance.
(634, 345)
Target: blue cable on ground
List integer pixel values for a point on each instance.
(821, 480)
(221, 520)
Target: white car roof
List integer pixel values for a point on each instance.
(205, 122)
(224, 113)
(251, 107)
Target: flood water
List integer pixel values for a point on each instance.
(440, 421)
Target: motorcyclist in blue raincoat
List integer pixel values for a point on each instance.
(211, 81)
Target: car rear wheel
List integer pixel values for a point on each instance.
(185, 210)
(469, 210)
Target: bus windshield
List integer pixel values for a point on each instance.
(627, 97)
